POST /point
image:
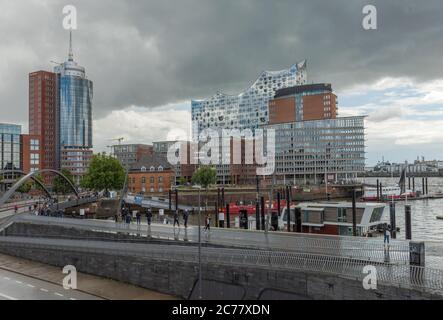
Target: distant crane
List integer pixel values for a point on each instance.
(118, 139)
(113, 147)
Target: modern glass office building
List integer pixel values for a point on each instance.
(10, 157)
(314, 150)
(74, 131)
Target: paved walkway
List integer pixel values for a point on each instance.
(367, 249)
(87, 284)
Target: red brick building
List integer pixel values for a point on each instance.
(151, 175)
(31, 153)
(43, 115)
(303, 103)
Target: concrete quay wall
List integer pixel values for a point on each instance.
(220, 281)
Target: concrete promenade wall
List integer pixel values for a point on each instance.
(220, 281)
(179, 278)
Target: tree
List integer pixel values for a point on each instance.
(31, 185)
(182, 181)
(104, 173)
(26, 187)
(60, 185)
(205, 176)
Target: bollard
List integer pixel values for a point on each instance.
(408, 229)
(423, 186)
(228, 218)
(378, 190)
(393, 222)
(427, 185)
(262, 211)
(381, 191)
(298, 224)
(288, 209)
(170, 199)
(354, 214)
(218, 222)
(257, 216)
(176, 200)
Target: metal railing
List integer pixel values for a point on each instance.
(410, 277)
(358, 248)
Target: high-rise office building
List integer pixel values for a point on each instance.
(319, 150)
(60, 113)
(43, 116)
(74, 103)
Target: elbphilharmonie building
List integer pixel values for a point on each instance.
(249, 109)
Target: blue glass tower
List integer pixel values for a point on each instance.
(74, 100)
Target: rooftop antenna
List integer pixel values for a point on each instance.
(71, 55)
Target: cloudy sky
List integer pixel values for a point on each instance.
(148, 59)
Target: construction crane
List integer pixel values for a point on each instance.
(118, 139)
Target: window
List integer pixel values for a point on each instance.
(35, 145)
(341, 215)
(160, 168)
(144, 179)
(152, 180)
(152, 169)
(143, 169)
(160, 179)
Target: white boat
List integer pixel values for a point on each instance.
(388, 192)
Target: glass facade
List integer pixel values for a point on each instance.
(10, 147)
(312, 150)
(75, 111)
(249, 109)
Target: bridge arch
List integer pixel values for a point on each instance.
(33, 176)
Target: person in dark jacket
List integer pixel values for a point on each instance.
(149, 216)
(185, 217)
(176, 221)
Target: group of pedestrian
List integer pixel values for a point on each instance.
(185, 218)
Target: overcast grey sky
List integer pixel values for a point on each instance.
(147, 57)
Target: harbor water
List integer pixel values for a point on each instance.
(425, 225)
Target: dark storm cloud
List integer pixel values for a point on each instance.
(150, 53)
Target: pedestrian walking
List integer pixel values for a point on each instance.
(138, 216)
(387, 234)
(176, 221)
(128, 220)
(15, 208)
(149, 216)
(185, 217)
(208, 222)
